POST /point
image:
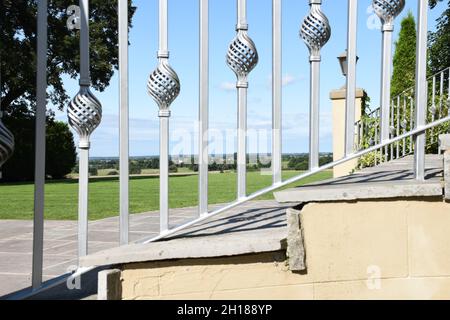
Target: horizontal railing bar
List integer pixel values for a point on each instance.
(298, 178)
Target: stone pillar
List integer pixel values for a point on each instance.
(338, 98)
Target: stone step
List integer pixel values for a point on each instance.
(394, 179)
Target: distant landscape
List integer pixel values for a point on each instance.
(61, 196)
(184, 165)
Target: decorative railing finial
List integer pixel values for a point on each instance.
(85, 114)
(6, 143)
(315, 29)
(163, 86)
(242, 56)
(85, 110)
(388, 10)
(315, 32)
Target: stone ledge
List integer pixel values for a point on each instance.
(360, 191)
(258, 241)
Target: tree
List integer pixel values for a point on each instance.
(18, 70)
(18, 49)
(439, 41)
(404, 61)
(60, 149)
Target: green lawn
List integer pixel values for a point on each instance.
(61, 196)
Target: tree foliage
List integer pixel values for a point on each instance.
(404, 62)
(18, 49)
(439, 40)
(60, 148)
(18, 38)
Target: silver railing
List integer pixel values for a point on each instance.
(402, 114)
(164, 86)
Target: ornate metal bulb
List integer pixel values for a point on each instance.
(433, 110)
(315, 30)
(6, 143)
(404, 123)
(242, 56)
(163, 85)
(388, 10)
(85, 114)
(392, 130)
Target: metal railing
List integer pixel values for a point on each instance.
(164, 86)
(402, 112)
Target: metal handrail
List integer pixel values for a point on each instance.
(302, 176)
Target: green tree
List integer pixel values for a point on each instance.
(18, 49)
(439, 41)
(60, 150)
(403, 76)
(18, 69)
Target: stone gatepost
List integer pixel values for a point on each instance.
(338, 98)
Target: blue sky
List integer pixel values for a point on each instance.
(183, 44)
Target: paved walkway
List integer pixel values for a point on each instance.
(60, 243)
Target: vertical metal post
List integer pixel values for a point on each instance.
(41, 108)
(448, 93)
(203, 157)
(242, 141)
(164, 173)
(404, 124)
(391, 128)
(411, 120)
(397, 125)
(386, 81)
(441, 94)
(84, 115)
(387, 11)
(242, 87)
(84, 149)
(351, 76)
(163, 125)
(276, 91)
(315, 32)
(242, 58)
(164, 86)
(421, 90)
(83, 192)
(124, 121)
(376, 142)
(314, 115)
(433, 106)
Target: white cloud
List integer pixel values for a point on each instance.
(227, 86)
(288, 79)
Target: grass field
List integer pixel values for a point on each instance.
(62, 196)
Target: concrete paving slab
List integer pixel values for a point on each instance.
(60, 243)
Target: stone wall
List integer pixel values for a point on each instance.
(361, 250)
